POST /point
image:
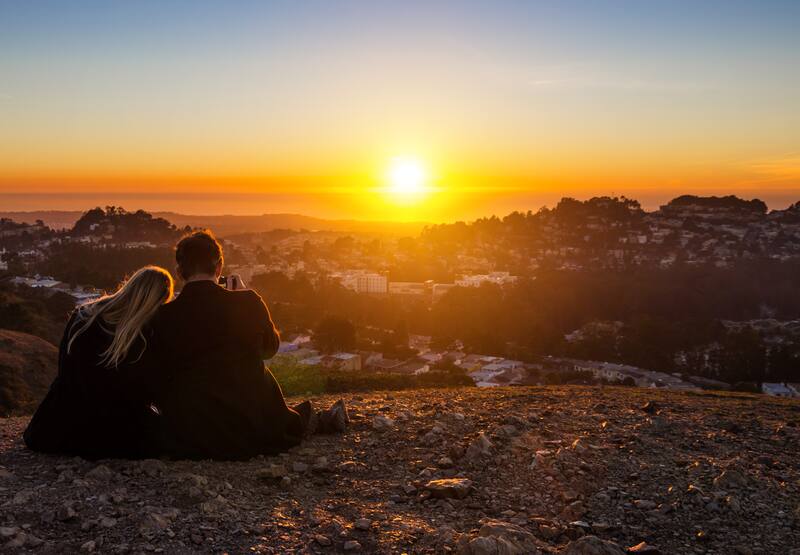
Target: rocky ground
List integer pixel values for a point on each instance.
(575, 470)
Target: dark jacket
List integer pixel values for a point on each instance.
(218, 400)
(96, 411)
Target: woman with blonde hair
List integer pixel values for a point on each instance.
(101, 402)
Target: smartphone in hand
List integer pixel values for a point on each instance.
(233, 282)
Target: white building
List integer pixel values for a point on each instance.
(371, 283)
(476, 280)
(362, 281)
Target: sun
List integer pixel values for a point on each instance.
(407, 177)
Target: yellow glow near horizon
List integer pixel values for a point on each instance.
(407, 179)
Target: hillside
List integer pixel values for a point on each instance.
(531, 470)
(27, 367)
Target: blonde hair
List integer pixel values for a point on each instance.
(124, 313)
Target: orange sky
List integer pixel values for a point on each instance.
(507, 105)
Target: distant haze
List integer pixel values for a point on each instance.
(472, 206)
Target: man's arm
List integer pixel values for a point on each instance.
(271, 339)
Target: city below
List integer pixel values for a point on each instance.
(391, 304)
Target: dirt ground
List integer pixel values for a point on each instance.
(563, 469)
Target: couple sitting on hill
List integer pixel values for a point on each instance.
(142, 375)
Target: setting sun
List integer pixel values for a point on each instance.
(407, 177)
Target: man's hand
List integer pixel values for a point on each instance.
(235, 282)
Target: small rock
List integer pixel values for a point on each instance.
(643, 548)
(299, 467)
(592, 545)
(66, 512)
(363, 524)
(445, 462)
(449, 488)
(382, 423)
(481, 447)
(730, 479)
(8, 531)
(322, 540)
(321, 465)
(89, 546)
(573, 511)
(153, 467)
(272, 472)
(18, 541)
(352, 545)
(100, 473)
(645, 504)
(497, 536)
(152, 524)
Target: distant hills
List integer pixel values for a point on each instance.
(230, 225)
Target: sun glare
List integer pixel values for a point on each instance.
(407, 177)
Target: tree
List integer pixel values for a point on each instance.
(334, 334)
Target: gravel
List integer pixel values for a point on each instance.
(518, 470)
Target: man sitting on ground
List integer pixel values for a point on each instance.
(217, 399)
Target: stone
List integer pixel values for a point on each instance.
(592, 545)
(481, 546)
(321, 465)
(730, 479)
(644, 547)
(18, 541)
(480, 447)
(8, 531)
(89, 546)
(153, 467)
(66, 512)
(23, 497)
(272, 472)
(100, 473)
(322, 540)
(509, 538)
(299, 467)
(382, 423)
(449, 488)
(152, 525)
(352, 545)
(363, 524)
(573, 511)
(445, 462)
(645, 504)
(215, 506)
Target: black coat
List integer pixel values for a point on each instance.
(96, 411)
(217, 399)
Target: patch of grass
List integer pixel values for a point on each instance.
(299, 379)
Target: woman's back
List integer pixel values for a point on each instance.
(95, 410)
